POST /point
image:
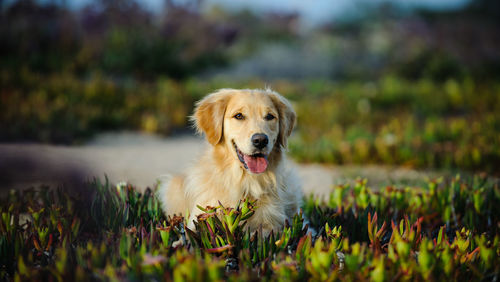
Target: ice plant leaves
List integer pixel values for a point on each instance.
(439, 232)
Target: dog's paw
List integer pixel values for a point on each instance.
(177, 243)
(312, 231)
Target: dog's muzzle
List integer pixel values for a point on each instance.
(256, 163)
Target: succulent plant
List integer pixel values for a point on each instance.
(363, 234)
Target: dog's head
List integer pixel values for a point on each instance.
(251, 123)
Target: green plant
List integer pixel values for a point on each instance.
(50, 234)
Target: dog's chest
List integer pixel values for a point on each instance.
(257, 188)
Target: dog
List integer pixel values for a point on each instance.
(247, 131)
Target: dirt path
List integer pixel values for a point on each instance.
(140, 159)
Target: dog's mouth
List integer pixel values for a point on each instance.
(256, 163)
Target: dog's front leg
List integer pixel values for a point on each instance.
(193, 215)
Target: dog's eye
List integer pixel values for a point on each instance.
(239, 116)
(269, 117)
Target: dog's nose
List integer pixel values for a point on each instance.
(260, 140)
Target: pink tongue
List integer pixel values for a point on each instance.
(255, 164)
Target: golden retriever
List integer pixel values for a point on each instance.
(247, 131)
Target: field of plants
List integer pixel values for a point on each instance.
(446, 231)
(390, 86)
(416, 96)
(395, 121)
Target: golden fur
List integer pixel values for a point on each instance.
(220, 176)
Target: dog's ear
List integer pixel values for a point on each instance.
(209, 115)
(287, 117)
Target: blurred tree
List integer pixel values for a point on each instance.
(116, 36)
(42, 38)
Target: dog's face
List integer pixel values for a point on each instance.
(251, 127)
(251, 124)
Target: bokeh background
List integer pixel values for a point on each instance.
(412, 84)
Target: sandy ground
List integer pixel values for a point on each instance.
(141, 159)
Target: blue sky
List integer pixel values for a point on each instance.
(324, 10)
(311, 11)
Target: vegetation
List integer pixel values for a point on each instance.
(448, 230)
(450, 124)
(400, 96)
(421, 123)
(390, 87)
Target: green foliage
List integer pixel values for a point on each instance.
(453, 124)
(395, 121)
(63, 108)
(118, 37)
(389, 233)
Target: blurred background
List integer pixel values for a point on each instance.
(381, 88)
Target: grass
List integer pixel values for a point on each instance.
(448, 229)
